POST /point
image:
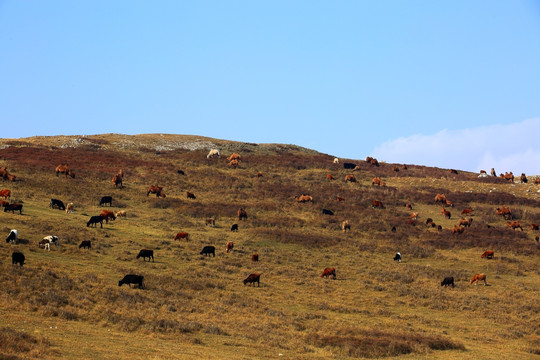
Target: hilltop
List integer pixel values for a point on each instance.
(66, 303)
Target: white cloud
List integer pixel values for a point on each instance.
(512, 147)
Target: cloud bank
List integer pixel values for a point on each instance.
(512, 147)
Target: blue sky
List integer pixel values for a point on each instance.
(347, 78)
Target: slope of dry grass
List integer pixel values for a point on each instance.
(67, 303)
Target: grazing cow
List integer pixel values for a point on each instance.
(13, 236)
(5, 175)
(414, 216)
(207, 250)
(255, 257)
(349, 165)
(86, 244)
(105, 200)
(64, 169)
(452, 171)
(448, 281)
(154, 189)
(377, 181)
(234, 227)
(132, 279)
(505, 212)
(339, 199)
(107, 214)
(181, 172)
(440, 198)
(457, 230)
(259, 174)
(336, 161)
(350, 178)
(5, 193)
(490, 254)
(233, 163)
(242, 214)
(58, 204)
(446, 213)
(374, 162)
(46, 242)
(121, 213)
(252, 279)
(145, 253)
(448, 203)
(190, 195)
(397, 257)
(70, 208)
(357, 167)
(229, 247)
(534, 227)
(467, 211)
(234, 156)
(408, 206)
(329, 177)
(303, 198)
(182, 235)
(212, 153)
(429, 221)
(210, 221)
(465, 222)
(345, 226)
(117, 180)
(514, 225)
(94, 220)
(329, 271)
(17, 258)
(376, 204)
(479, 277)
(327, 212)
(13, 208)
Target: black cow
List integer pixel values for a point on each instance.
(145, 253)
(397, 257)
(394, 229)
(17, 257)
(57, 203)
(86, 244)
(349, 165)
(207, 250)
(95, 220)
(234, 227)
(132, 279)
(327, 212)
(106, 200)
(13, 208)
(13, 234)
(448, 281)
(181, 172)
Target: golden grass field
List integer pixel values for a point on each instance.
(66, 303)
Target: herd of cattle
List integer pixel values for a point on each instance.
(233, 161)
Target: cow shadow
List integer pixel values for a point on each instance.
(23, 241)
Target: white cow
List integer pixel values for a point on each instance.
(213, 153)
(47, 241)
(336, 161)
(13, 236)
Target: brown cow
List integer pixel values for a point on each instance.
(467, 211)
(64, 169)
(374, 162)
(534, 227)
(255, 257)
(210, 221)
(457, 230)
(154, 189)
(483, 172)
(414, 216)
(229, 247)
(252, 279)
(182, 235)
(514, 225)
(117, 180)
(233, 163)
(242, 214)
(446, 213)
(537, 180)
(107, 214)
(440, 198)
(505, 212)
(121, 213)
(479, 277)
(190, 195)
(303, 198)
(5, 193)
(465, 222)
(396, 169)
(490, 254)
(452, 171)
(234, 156)
(329, 177)
(329, 271)
(376, 204)
(350, 178)
(70, 208)
(404, 167)
(259, 174)
(339, 199)
(345, 226)
(4, 174)
(377, 181)
(408, 206)
(523, 178)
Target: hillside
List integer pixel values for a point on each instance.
(66, 303)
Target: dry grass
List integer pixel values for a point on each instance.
(196, 306)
